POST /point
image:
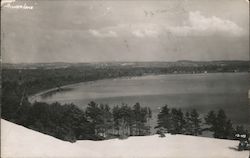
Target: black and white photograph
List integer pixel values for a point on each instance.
(125, 79)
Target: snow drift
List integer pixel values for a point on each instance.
(18, 141)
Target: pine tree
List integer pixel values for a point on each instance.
(188, 124)
(94, 114)
(106, 120)
(164, 118)
(210, 120)
(141, 116)
(136, 113)
(125, 120)
(177, 121)
(116, 121)
(220, 124)
(195, 122)
(229, 130)
(145, 116)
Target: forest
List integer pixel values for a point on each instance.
(175, 121)
(39, 77)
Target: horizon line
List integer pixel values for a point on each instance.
(159, 61)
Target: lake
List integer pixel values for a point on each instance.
(203, 92)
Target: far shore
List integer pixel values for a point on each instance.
(31, 98)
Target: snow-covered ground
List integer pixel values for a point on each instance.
(18, 141)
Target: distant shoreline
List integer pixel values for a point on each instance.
(32, 99)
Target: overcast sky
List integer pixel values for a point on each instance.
(143, 30)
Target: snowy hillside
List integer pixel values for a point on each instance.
(18, 141)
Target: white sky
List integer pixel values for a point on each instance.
(86, 31)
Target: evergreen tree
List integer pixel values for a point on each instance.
(137, 118)
(140, 118)
(219, 124)
(210, 120)
(94, 116)
(145, 116)
(229, 130)
(164, 118)
(123, 118)
(195, 122)
(188, 124)
(116, 119)
(106, 120)
(177, 121)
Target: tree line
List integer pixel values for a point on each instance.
(68, 122)
(175, 121)
(43, 78)
(120, 121)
